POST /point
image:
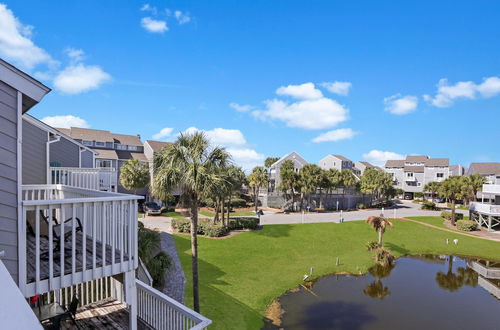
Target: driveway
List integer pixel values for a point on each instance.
(402, 209)
(157, 222)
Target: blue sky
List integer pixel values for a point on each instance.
(368, 80)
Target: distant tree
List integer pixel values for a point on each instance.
(347, 179)
(289, 179)
(476, 182)
(237, 179)
(432, 187)
(149, 249)
(270, 161)
(134, 175)
(376, 182)
(256, 180)
(379, 223)
(310, 177)
(453, 188)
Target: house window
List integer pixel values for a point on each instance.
(419, 184)
(439, 175)
(409, 174)
(103, 163)
(132, 148)
(121, 147)
(100, 144)
(87, 142)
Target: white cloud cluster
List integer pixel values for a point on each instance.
(65, 121)
(335, 135)
(78, 78)
(446, 94)
(241, 107)
(337, 87)
(16, 44)
(182, 18)
(221, 136)
(246, 158)
(154, 25)
(311, 111)
(400, 105)
(163, 133)
(378, 157)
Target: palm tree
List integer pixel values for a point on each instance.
(379, 224)
(134, 175)
(433, 188)
(347, 179)
(237, 179)
(256, 180)
(453, 188)
(192, 165)
(476, 182)
(310, 180)
(289, 179)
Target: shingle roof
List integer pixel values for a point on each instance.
(157, 146)
(341, 157)
(395, 163)
(126, 155)
(484, 168)
(437, 162)
(367, 164)
(129, 140)
(106, 154)
(87, 134)
(416, 158)
(416, 169)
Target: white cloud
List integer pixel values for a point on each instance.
(240, 107)
(319, 113)
(335, 135)
(80, 78)
(151, 9)
(65, 121)
(378, 157)
(221, 136)
(303, 91)
(164, 133)
(447, 94)
(16, 44)
(181, 17)
(246, 158)
(76, 55)
(337, 87)
(154, 26)
(400, 105)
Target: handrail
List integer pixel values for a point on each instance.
(201, 321)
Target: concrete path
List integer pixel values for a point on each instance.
(403, 209)
(157, 222)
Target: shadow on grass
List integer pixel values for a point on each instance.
(396, 248)
(225, 311)
(274, 231)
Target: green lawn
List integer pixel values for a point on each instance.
(436, 221)
(241, 275)
(172, 214)
(234, 214)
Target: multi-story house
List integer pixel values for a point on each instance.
(457, 170)
(487, 214)
(112, 150)
(414, 172)
(490, 171)
(362, 166)
(337, 162)
(274, 169)
(58, 240)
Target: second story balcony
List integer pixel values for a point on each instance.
(102, 178)
(71, 235)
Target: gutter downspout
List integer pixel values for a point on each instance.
(49, 141)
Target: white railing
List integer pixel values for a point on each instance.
(103, 178)
(160, 311)
(484, 208)
(493, 189)
(71, 235)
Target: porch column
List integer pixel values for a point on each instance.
(131, 298)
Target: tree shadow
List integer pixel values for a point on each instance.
(274, 231)
(396, 248)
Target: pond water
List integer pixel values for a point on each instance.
(418, 292)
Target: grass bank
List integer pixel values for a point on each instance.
(241, 275)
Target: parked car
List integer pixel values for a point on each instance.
(151, 208)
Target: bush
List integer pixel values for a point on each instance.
(447, 215)
(384, 257)
(205, 227)
(466, 225)
(429, 206)
(361, 206)
(418, 195)
(238, 202)
(243, 223)
(181, 225)
(370, 246)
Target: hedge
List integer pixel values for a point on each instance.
(429, 206)
(466, 225)
(447, 215)
(205, 227)
(243, 223)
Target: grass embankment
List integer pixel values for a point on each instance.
(241, 275)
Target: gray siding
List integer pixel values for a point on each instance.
(87, 159)
(65, 153)
(34, 154)
(8, 178)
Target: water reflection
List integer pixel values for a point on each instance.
(408, 295)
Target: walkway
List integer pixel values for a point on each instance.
(403, 209)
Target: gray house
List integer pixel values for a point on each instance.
(337, 162)
(490, 171)
(274, 169)
(362, 166)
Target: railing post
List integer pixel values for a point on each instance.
(131, 298)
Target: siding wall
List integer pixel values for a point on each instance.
(87, 159)
(65, 153)
(8, 178)
(34, 154)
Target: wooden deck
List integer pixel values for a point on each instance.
(68, 261)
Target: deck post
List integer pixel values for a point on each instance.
(131, 298)
(489, 223)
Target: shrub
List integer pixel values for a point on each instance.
(447, 215)
(243, 223)
(181, 225)
(212, 230)
(238, 202)
(418, 195)
(466, 225)
(429, 206)
(384, 257)
(361, 206)
(370, 246)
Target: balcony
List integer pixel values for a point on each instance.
(493, 189)
(103, 178)
(72, 235)
(488, 209)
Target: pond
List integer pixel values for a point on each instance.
(418, 292)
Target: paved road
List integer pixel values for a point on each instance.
(403, 209)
